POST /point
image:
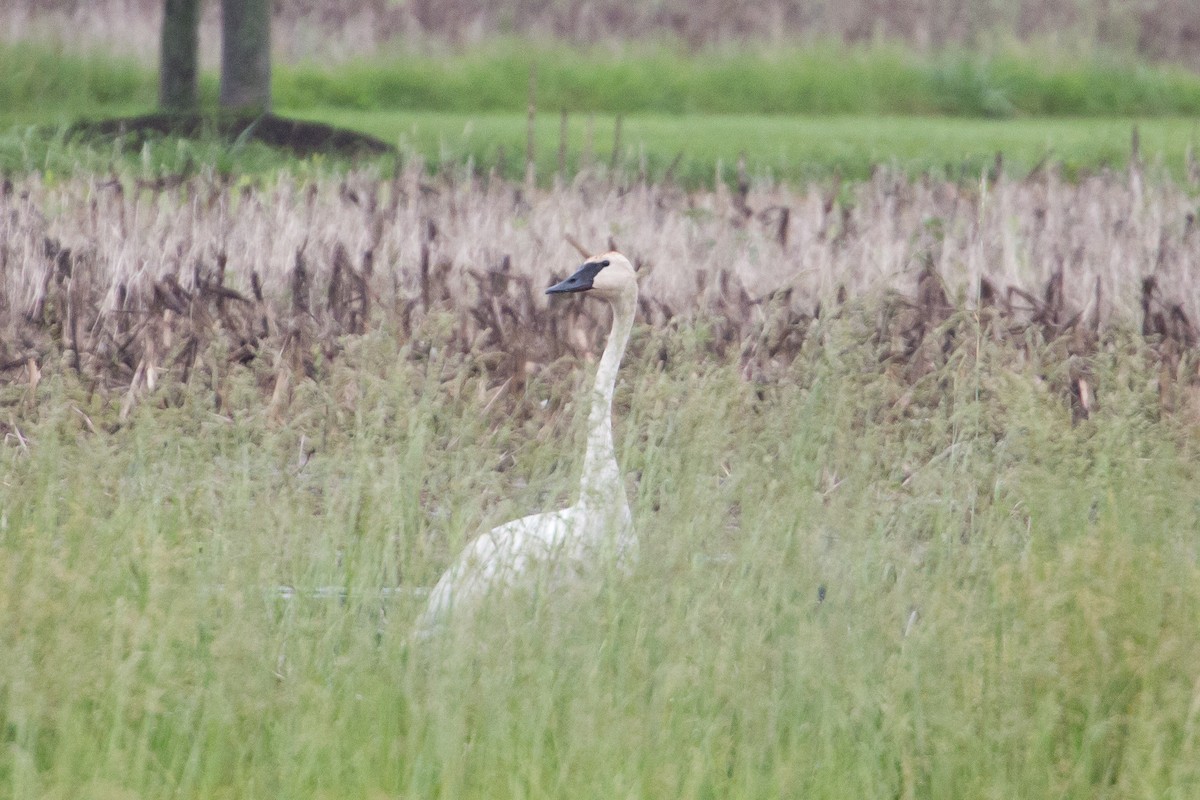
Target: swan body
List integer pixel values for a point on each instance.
(549, 551)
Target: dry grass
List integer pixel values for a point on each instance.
(136, 284)
(1165, 30)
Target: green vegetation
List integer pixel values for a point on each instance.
(788, 148)
(859, 578)
(1010, 601)
(817, 80)
(854, 582)
(824, 80)
(39, 84)
(795, 115)
(55, 154)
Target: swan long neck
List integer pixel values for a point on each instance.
(601, 485)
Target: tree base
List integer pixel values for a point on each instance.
(298, 136)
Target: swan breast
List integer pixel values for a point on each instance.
(551, 550)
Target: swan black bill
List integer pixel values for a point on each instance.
(581, 281)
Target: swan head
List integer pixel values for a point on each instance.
(610, 276)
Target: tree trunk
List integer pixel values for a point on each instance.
(246, 55)
(178, 66)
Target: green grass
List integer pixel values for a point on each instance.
(37, 80)
(796, 114)
(815, 79)
(787, 148)
(793, 148)
(1010, 605)
(811, 80)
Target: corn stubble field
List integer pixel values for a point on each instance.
(913, 465)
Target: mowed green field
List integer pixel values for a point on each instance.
(693, 149)
(792, 148)
(1009, 601)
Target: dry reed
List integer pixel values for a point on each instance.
(1156, 29)
(131, 284)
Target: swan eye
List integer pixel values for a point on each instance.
(604, 263)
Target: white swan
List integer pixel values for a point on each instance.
(547, 550)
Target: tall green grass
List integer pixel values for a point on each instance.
(815, 79)
(37, 78)
(1010, 602)
(811, 80)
